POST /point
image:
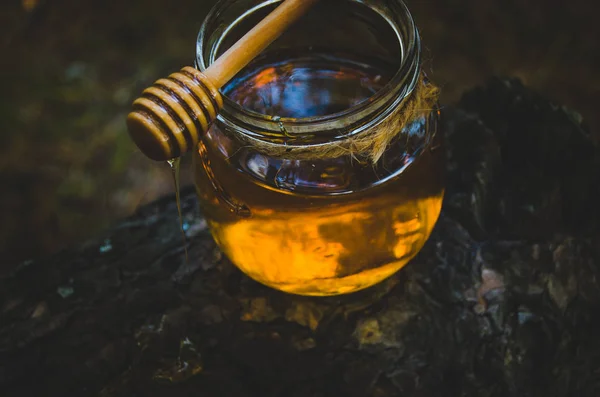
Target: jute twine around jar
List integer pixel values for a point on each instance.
(369, 144)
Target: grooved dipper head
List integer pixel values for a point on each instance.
(170, 116)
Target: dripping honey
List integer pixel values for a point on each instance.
(323, 227)
(175, 165)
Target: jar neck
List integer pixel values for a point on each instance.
(229, 14)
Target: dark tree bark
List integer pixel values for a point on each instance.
(502, 301)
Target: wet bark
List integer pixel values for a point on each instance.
(502, 300)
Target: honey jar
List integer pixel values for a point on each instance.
(308, 181)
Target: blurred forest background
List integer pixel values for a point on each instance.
(70, 69)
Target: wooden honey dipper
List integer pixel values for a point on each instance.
(170, 116)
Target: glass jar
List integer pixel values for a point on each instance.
(327, 224)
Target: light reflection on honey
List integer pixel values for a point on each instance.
(264, 77)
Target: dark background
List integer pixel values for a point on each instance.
(70, 69)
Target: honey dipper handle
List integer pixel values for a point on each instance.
(255, 41)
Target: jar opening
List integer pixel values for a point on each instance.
(340, 69)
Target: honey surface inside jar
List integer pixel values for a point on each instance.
(318, 227)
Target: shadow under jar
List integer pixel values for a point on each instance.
(329, 225)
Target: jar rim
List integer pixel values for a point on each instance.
(335, 126)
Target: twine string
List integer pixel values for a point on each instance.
(371, 143)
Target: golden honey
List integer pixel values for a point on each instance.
(326, 226)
